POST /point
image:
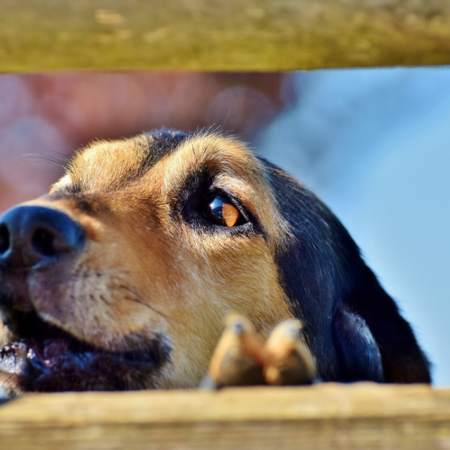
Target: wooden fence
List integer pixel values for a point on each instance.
(227, 35)
(326, 416)
(39, 35)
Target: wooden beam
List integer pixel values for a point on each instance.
(221, 34)
(326, 416)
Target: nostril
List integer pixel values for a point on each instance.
(4, 239)
(35, 236)
(43, 242)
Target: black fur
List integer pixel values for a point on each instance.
(162, 143)
(352, 325)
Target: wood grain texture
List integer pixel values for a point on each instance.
(39, 35)
(327, 416)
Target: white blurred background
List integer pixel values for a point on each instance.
(373, 144)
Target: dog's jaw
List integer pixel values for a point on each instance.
(42, 357)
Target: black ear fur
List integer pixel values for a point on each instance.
(351, 323)
(356, 347)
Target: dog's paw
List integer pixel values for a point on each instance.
(288, 359)
(243, 358)
(239, 356)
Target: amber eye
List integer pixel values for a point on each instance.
(221, 211)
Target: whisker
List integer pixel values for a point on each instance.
(137, 299)
(39, 157)
(102, 297)
(63, 157)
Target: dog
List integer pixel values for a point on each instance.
(120, 277)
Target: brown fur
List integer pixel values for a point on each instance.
(143, 271)
(148, 275)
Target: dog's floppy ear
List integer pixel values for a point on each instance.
(357, 350)
(353, 327)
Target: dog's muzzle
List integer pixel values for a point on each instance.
(40, 245)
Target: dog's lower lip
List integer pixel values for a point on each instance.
(42, 348)
(46, 358)
(51, 352)
(61, 369)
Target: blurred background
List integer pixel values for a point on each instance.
(373, 144)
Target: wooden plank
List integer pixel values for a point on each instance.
(326, 416)
(221, 35)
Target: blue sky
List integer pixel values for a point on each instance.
(375, 146)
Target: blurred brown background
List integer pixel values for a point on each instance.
(45, 117)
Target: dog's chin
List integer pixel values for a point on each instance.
(45, 358)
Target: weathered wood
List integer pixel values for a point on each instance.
(327, 416)
(222, 35)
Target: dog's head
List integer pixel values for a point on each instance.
(120, 278)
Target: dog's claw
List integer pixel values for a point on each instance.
(242, 359)
(289, 361)
(239, 357)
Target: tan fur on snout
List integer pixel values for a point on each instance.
(144, 270)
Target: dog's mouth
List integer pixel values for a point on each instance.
(47, 358)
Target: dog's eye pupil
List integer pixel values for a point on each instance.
(221, 211)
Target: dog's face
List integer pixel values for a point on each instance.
(172, 234)
(120, 278)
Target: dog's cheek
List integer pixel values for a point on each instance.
(216, 277)
(195, 323)
(242, 274)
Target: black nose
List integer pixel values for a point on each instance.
(32, 236)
